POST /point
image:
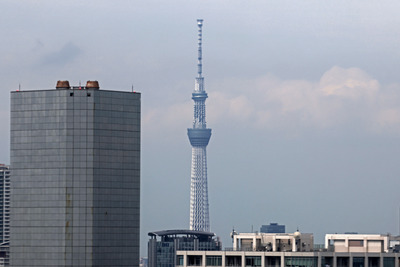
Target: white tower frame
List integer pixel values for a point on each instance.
(199, 137)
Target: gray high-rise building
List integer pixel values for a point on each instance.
(4, 203)
(75, 160)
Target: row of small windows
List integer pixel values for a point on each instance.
(196, 260)
(73, 112)
(80, 95)
(75, 106)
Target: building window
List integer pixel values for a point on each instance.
(214, 260)
(327, 261)
(388, 262)
(253, 261)
(358, 262)
(373, 262)
(233, 261)
(194, 260)
(179, 260)
(271, 261)
(342, 262)
(301, 261)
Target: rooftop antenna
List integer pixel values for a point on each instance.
(233, 233)
(132, 88)
(200, 56)
(19, 87)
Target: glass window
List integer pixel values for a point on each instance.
(301, 261)
(342, 261)
(194, 260)
(179, 260)
(388, 262)
(233, 261)
(358, 262)
(253, 261)
(213, 260)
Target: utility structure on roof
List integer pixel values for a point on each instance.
(199, 137)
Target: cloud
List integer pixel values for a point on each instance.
(63, 56)
(167, 119)
(342, 97)
(348, 83)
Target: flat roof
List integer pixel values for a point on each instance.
(180, 232)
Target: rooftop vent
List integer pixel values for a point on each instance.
(62, 85)
(92, 85)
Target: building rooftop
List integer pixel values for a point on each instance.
(180, 232)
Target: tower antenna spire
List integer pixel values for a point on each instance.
(200, 52)
(199, 136)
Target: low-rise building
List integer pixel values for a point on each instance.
(358, 243)
(376, 252)
(273, 242)
(286, 259)
(163, 245)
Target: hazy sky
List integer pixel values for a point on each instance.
(304, 102)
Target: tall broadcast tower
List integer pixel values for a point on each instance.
(199, 136)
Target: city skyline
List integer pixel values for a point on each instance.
(304, 102)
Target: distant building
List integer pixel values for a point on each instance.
(161, 251)
(359, 243)
(144, 262)
(5, 254)
(272, 228)
(294, 242)
(4, 203)
(340, 251)
(5, 194)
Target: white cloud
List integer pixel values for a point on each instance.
(348, 83)
(167, 119)
(386, 120)
(341, 97)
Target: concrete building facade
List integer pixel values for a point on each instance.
(75, 157)
(380, 254)
(286, 259)
(353, 243)
(287, 242)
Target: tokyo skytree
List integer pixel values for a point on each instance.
(199, 136)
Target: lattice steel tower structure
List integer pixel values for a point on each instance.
(199, 137)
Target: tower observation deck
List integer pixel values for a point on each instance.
(199, 137)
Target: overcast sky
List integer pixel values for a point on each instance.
(304, 102)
